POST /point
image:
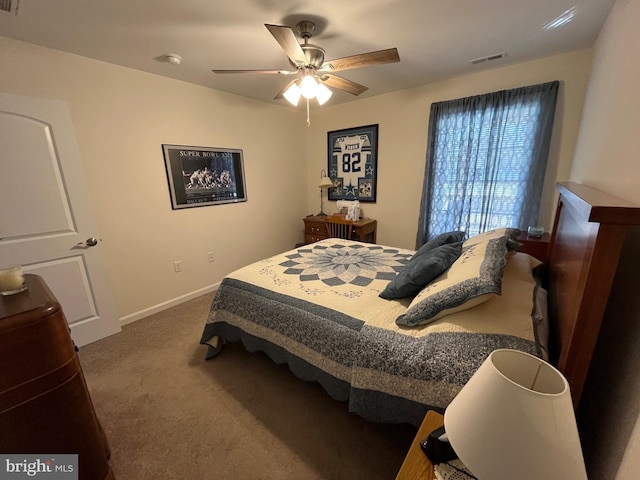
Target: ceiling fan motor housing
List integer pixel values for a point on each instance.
(314, 54)
(305, 29)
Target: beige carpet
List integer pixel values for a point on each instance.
(169, 414)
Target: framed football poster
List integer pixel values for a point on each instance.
(353, 163)
(200, 176)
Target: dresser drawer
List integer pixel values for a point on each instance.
(315, 228)
(310, 238)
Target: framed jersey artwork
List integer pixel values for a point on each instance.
(353, 163)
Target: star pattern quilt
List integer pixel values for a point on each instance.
(317, 309)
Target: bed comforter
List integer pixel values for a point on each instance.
(317, 309)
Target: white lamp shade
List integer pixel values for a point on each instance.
(292, 94)
(308, 86)
(323, 94)
(514, 419)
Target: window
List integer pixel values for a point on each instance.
(486, 161)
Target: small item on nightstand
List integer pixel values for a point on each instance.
(453, 470)
(12, 280)
(437, 447)
(535, 231)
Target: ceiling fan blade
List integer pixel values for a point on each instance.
(390, 55)
(280, 94)
(287, 39)
(268, 72)
(343, 84)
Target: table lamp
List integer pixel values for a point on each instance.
(514, 419)
(325, 182)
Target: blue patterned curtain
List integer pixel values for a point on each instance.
(486, 161)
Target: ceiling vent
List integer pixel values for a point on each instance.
(488, 58)
(9, 6)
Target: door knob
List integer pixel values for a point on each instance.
(89, 242)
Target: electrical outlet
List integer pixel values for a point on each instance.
(211, 257)
(177, 266)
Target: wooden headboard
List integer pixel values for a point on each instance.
(586, 241)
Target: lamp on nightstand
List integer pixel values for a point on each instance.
(514, 419)
(325, 182)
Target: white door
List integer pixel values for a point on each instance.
(46, 223)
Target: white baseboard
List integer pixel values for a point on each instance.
(168, 304)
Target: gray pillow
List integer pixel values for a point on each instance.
(472, 279)
(442, 239)
(421, 269)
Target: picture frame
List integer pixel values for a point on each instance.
(201, 176)
(353, 163)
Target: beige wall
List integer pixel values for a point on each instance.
(607, 158)
(403, 120)
(121, 117)
(607, 151)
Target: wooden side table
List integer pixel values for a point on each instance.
(537, 247)
(365, 230)
(315, 229)
(416, 465)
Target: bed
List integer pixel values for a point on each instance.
(318, 308)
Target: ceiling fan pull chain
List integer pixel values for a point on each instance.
(308, 121)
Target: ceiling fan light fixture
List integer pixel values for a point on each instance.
(309, 65)
(309, 86)
(292, 94)
(323, 94)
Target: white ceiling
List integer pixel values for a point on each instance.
(435, 38)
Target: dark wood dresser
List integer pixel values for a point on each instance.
(45, 407)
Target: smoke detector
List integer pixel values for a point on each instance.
(173, 58)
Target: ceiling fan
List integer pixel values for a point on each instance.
(313, 73)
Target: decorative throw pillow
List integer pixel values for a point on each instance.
(506, 233)
(472, 279)
(421, 269)
(442, 239)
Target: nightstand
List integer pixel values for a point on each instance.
(416, 465)
(537, 247)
